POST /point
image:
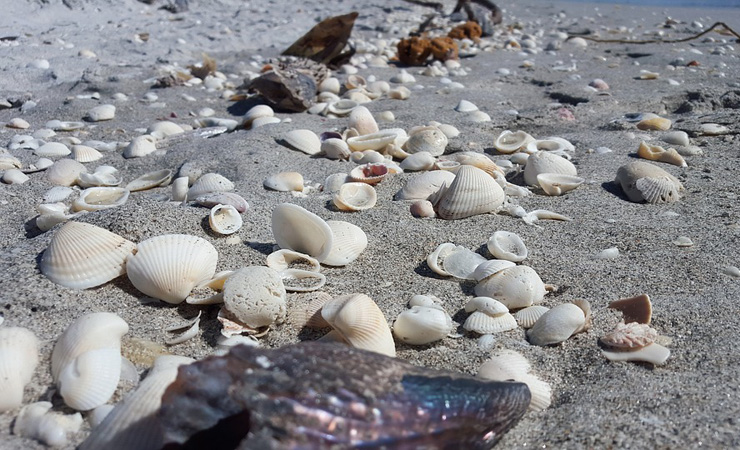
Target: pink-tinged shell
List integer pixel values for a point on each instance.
(630, 336)
(371, 173)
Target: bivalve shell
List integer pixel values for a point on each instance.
(355, 197)
(101, 113)
(370, 173)
(223, 198)
(150, 180)
(373, 141)
(360, 322)
(52, 150)
(428, 139)
(643, 181)
(425, 185)
(478, 160)
(284, 182)
(85, 154)
(209, 183)
(527, 317)
(305, 141)
(472, 192)
(557, 325)
(510, 142)
(103, 176)
(676, 138)
(482, 323)
(256, 112)
(546, 162)
(15, 176)
(510, 365)
(299, 280)
(658, 153)
(516, 287)
(164, 128)
(100, 198)
(418, 161)
(558, 183)
(290, 259)
(140, 146)
(362, 120)
(507, 245)
(335, 148)
(654, 123)
(19, 356)
(348, 243)
(255, 296)
(225, 219)
(297, 229)
(489, 267)
(422, 325)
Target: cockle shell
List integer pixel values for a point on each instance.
(488, 316)
(355, 197)
(373, 141)
(19, 355)
(658, 153)
(209, 183)
(546, 162)
(225, 219)
(424, 185)
(516, 287)
(8, 162)
(472, 192)
(150, 180)
(100, 197)
(64, 172)
(101, 113)
(81, 256)
(297, 229)
(349, 241)
(510, 142)
(304, 310)
(291, 259)
(299, 280)
(255, 296)
(557, 325)
(303, 140)
(36, 421)
(643, 181)
(85, 154)
(428, 139)
(558, 183)
(140, 146)
(285, 182)
(86, 361)
(335, 148)
(422, 325)
(362, 120)
(360, 322)
(507, 245)
(527, 317)
(510, 365)
(167, 267)
(370, 173)
(223, 198)
(489, 267)
(52, 150)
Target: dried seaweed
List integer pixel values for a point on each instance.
(721, 25)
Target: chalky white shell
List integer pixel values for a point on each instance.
(335, 148)
(101, 113)
(348, 243)
(362, 120)
(418, 161)
(225, 219)
(360, 322)
(52, 150)
(255, 295)
(510, 142)
(222, 198)
(36, 421)
(64, 172)
(558, 183)
(527, 317)
(85, 154)
(428, 139)
(422, 325)
(489, 267)
(472, 192)
(424, 185)
(297, 229)
(19, 355)
(546, 162)
(516, 287)
(507, 245)
(164, 128)
(373, 141)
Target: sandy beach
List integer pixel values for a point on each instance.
(691, 401)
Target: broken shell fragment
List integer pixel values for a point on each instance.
(422, 325)
(100, 198)
(355, 197)
(299, 280)
(507, 245)
(357, 318)
(19, 356)
(35, 421)
(637, 309)
(557, 183)
(222, 198)
(225, 219)
(557, 325)
(284, 182)
(290, 259)
(643, 181)
(654, 123)
(629, 336)
(658, 153)
(654, 354)
(150, 180)
(297, 229)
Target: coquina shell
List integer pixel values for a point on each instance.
(86, 361)
(167, 267)
(355, 197)
(208, 184)
(360, 322)
(424, 185)
(101, 197)
(557, 325)
(305, 141)
(297, 229)
(225, 219)
(507, 245)
(472, 192)
(19, 356)
(422, 325)
(428, 139)
(546, 162)
(255, 296)
(516, 287)
(647, 182)
(349, 241)
(510, 142)
(82, 256)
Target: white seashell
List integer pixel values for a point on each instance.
(676, 138)
(609, 253)
(9, 162)
(188, 330)
(342, 107)
(557, 325)
(101, 113)
(290, 259)
(478, 160)
(379, 87)
(399, 93)
(86, 361)
(58, 125)
(472, 192)
(527, 317)
(284, 182)
(163, 129)
(510, 365)
(489, 267)
(209, 122)
(360, 322)
(57, 194)
(35, 421)
(216, 283)
(180, 189)
(348, 243)
(422, 208)
(225, 219)
(19, 356)
(423, 186)
(507, 245)
(150, 180)
(355, 197)
(98, 415)
(643, 181)
(18, 123)
(255, 112)
(516, 287)
(486, 342)
(85, 154)
(223, 198)
(374, 141)
(540, 214)
(140, 146)
(255, 296)
(15, 176)
(403, 77)
(99, 198)
(465, 106)
(362, 120)
(370, 173)
(52, 150)
(422, 325)
(457, 261)
(297, 229)
(305, 141)
(330, 84)
(64, 172)
(367, 157)
(713, 129)
(449, 130)
(262, 121)
(486, 305)
(654, 354)
(167, 267)
(209, 183)
(333, 182)
(732, 271)
(102, 146)
(558, 183)
(510, 142)
(482, 323)
(519, 158)
(82, 256)
(429, 139)
(658, 153)
(436, 258)
(299, 280)
(546, 162)
(386, 116)
(335, 148)
(103, 176)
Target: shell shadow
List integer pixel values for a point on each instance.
(263, 247)
(242, 106)
(423, 269)
(31, 229)
(614, 189)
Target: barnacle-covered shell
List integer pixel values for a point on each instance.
(546, 162)
(516, 287)
(284, 182)
(255, 296)
(558, 183)
(349, 241)
(422, 325)
(658, 153)
(355, 197)
(647, 182)
(360, 322)
(303, 140)
(507, 245)
(298, 229)
(510, 142)
(209, 183)
(557, 325)
(101, 197)
(225, 219)
(19, 355)
(424, 185)
(472, 192)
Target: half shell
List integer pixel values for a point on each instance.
(510, 142)
(558, 183)
(355, 197)
(305, 141)
(297, 229)
(208, 184)
(362, 120)
(427, 139)
(99, 198)
(349, 241)
(422, 325)
(658, 153)
(360, 322)
(424, 185)
(472, 192)
(225, 219)
(507, 245)
(516, 287)
(19, 355)
(557, 325)
(546, 162)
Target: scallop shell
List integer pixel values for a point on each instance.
(355, 197)
(482, 323)
(85, 154)
(52, 150)
(304, 310)
(255, 295)
(64, 172)
(557, 183)
(223, 198)
(298, 229)
(428, 139)
(208, 184)
(225, 219)
(299, 280)
(284, 182)
(167, 267)
(360, 322)
(150, 180)
(140, 146)
(472, 192)
(489, 267)
(373, 141)
(424, 185)
(634, 309)
(516, 287)
(418, 161)
(527, 317)
(510, 142)
(510, 365)
(546, 162)
(335, 148)
(86, 361)
(103, 176)
(507, 245)
(82, 256)
(658, 153)
(370, 173)
(19, 356)
(643, 181)
(290, 259)
(629, 336)
(422, 325)
(362, 120)
(99, 198)
(305, 141)
(478, 160)
(255, 112)
(557, 325)
(164, 128)
(101, 113)
(349, 241)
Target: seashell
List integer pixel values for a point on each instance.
(167, 267)
(403, 77)
(422, 208)
(429, 139)
(422, 325)
(140, 146)
(429, 301)
(482, 323)
(298, 229)
(472, 192)
(361, 119)
(676, 138)
(658, 153)
(255, 112)
(478, 117)
(86, 361)
(255, 296)
(333, 182)
(507, 245)
(456, 261)
(57, 194)
(180, 189)
(9, 162)
(527, 317)
(216, 283)
(85, 154)
(399, 93)
(557, 183)
(304, 310)
(341, 107)
(330, 84)
(19, 356)
(648, 75)
(510, 365)
(187, 330)
(599, 84)
(553, 145)
(103, 176)
(225, 219)
(366, 157)
(489, 267)
(82, 256)
(18, 123)
(654, 354)
(546, 162)
(360, 322)
(418, 161)
(305, 141)
(284, 182)
(35, 421)
(423, 186)
(209, 183)
(163, 129)
(370, 173)
(465, 106)
(102, 146)
(299, 280)
(374, 141)
(629, 336)
(386, 116)
(713, 129)
(519, 158)
(557, 325)
(436, 258)
(637, 309)
(643, 181)
(223, 198)
(150, 180)
(449, 130)
(540, 214)
(516, 287)
(58, 125)
(290, 259)
(609, 253)
(379, 87)
(52, 150)
(262, 121)
(474, 159)
(101, 113)
(217, 122)
(510, 142)
(654, 123)
(349, 241)
(335, 149)
(355, 197)
(15, 176)
(100, 198)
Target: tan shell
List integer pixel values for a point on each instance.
(472, 192)
(654, 123)
(285, 182)
(546, 162)
(349, 241)
(255, 296)
(305, 141)
(516, 287)
(510, 142)
(422, 325)
(19, 356)
(557, 183)
(643, 181)
(557, 325)
(634, 309)
(658, 153)
(360, 322)
(355, 197)
(629, 336)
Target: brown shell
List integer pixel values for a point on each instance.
(634, 309)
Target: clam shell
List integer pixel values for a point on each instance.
(510, 142)
(507, 245)
(255, 295)
(424, 185)
(101, 113)
(422, 208)
(486, 305)
(653, 354)
(284, 182)
(298, 229)
(223, 198)
(360, 322)
(82, 256)
(676, 138)
(19, 356)
(489, 267)
(103, 176)
(355, 197)
(256, 112)
(86, 361)
(299, 280)
(52, 150)
(465, 106)
(527, 317)
(167, 267)
(305, 141)
(362, 120)
(335, 148)
(557, 325)
(422, 325)
(429, 139)
(349, 241)
(373, 141)
(140, 146)
(304, 310)
(225, 219)
(634, 309)
(208, 184)
(456, 261)
(546, 162)
(164, 128)
(472, 192)
(478, 160)
(643, 181)
(366, 156)
(85, 154)
(150, 180)
(418, 161)
(510, 365)
(342, 107)
(370, 173)
(14, 176)
(482, 323)
(516, 287)
(99, 198)
(330, 84)
(658, 153)
(558, 183)
(290, 259)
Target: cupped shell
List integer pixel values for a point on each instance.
(19, 355)
(422, 325)
(225, 219)
(209, 183)
(472, 192)
(297, 229)
(645, 182)
(429, 139)
(255, 296)
(362, 120)
(360, 322)
(299, 280)
(507, 245)
(558, 183)
(546, 162)
(373, 141)
(101, 197)
(557, 325)
(370, 173)
(291, 259)
(64, 172)
(630, 336)
(305, 141)
(355, 197)
(510, 142)
(425, 185)
(349, 241)
(516, 287)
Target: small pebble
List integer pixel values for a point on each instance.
(18, 123)
(683, 241)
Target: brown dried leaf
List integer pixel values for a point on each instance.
(325, 41)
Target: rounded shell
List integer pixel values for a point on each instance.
(225, 219)
(647, 182)
(546, 162)
(255, 295)
(19, 355)
(140, 146)
(349, 241)
(510, 142)
(150, 180)
(557, 325)
(508, 246)
(305, 141)
(472, 192)
(424, 185)
(284, 182)
(362, 120)
(422, 325)
(64, 172)
(516, 287)
(360, 322)
(297, 229)
(335, 148)
(355, 197)
(428, 139)
(208, 184)
(84, 154)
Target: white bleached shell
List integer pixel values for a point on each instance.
(456, 261)
(643, 181)
(257, 111)
(82, 256)
(510, 142)
(546, 162)
(507, 245)
(654, 354)
(184, 331)
(262, 121)
(486, 305)
(284, 182)
(713, 129)
(335, 148)
(305, 141)
(489, 267)
(360, 322)
(422, 208)
(85, 154)
(64, 172)
(86, 361)
(362, 120)
(18, 123)
(36, 421)
(478, 117)
(557, 325)
(225, 219)
(422, 325)
(180, 189)
(366, 157)
(14, 176)
(516, 287)
(290, 259)
(101, 113)
(676, 138)
(103, 176)
(482, 323)
(355, 197)
(348, 243)
(52, 150)
(557, 183)
(418, 161)
(527, 317)
(342, 107)
(99, 198)
(58, 125)
(428, 139)
(150, 180)
(510, 365)
(333, 182)
(223, 198)
(295, 228)
(140, 146)
(399, 93)
(164, 128)
(167, 267)
(475, 159)
(658, 153)
(9, 162)
(304, 310)
(208, 184)
(299, 280)
(402, 77)
(472, 192)
(255, 295)
(19, 356)
(374, 141)
(424, 185)
(57, 194)
(330, 84)
(436, 258)
(465, 106)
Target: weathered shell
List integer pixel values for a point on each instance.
(628, 336)
(342, 107)
(101, 113)
(99, 198)
(653, 354)
(370, 173)
(58, 125)
(304, 310)
(150, 180)
(223, 198)
(422, 325)
(428, 139)
(297, 229)
(654, 123)
(489, 267)
(52, 150)
(557, 325)
(255, 112)
(140, 146)
(475, 159)
(84, 154)
(634, 309)
(255, 295)
(180, 189)
(291, 259)
(225, 219)
(676, 138)
(510, 142)
(209, 183)
(284, 182)
(81, 256)
(299, 280)
(19, 356)
(482, 323)
(14, 176)
(472, 192)
(546, 162)
(303, 140)
(36, 421)
(330, 84)
(64, 172)
(558, 183)
(527, 317)
(362, 120)
(510, 365)
(418, 161)
(658, 153)
(163, 129)
(373, 141)
(367, 156)
(360, 322)
(516, 287)
(86, 361)
(355, 197)
(643, 181)
(422, 208)
(486, 305)
(507, 245)
(349, 241)
(454, 260)
(167, 267)
(103, 176)
(424, 185)
(335, 148)
(8, 162)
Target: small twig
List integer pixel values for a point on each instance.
(660, 41)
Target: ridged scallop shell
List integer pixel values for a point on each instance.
(474, 159)
(516, 287)
(299, 280)
(100, 198)
(305, 141)
(105, 176)
(428, 139)
(304, 310)
(64, 172)
(482, 323)
(489, 267)
(81, 256)
(209, 183)
(418, 161)
(557, 325)
(558, 183)
(291, 259)
(297, 229)
(507, 245)
(225, 219)
(19, 356)
(86, 361)
(223, 198)
(52, 150)
(546, 162)
(85, 154)
(164, 128)
(629, 336)
(373, 141)
(370, 173)
(510, 142)
(658, 153)
(527, 317)
(167, 267)
(510, 365)
(355, 197)
(255, 112)
(472, 192)
(150, 180)
(255, 295)
(360, 322)
(349, 241)
(424, 185)
(140, 146)
(284, 182)
(362, 120)
(643, 181)
(422, 325)
(335, 148)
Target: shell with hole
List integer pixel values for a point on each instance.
(658, 153)
(349, 241)
(507, 245)
(558, 324)
(516, 287)
(546, 162)
(284, 182)
(355, 197)
(426, 139)
(558, 183)
(510, 365)
(19, 355)
(86, 361)
(303, 140)
(421, 325)
(360, 322)
(255, 296)
(225, 219)
(472, 192)
(645, 182)
(169, 266)
(295, 228)
(510, 142)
